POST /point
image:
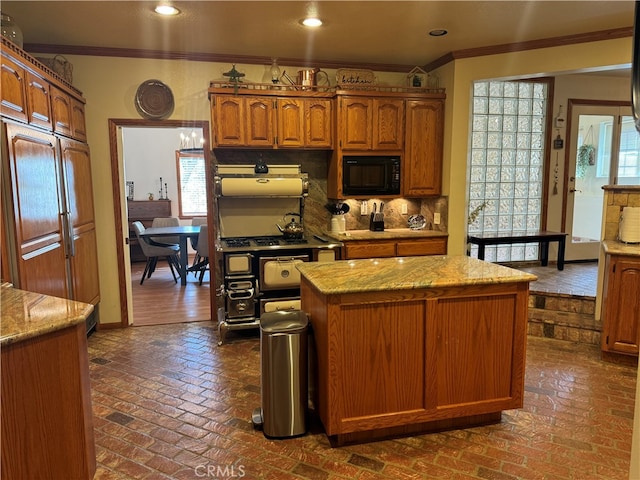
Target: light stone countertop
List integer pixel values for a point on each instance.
(613, 247)
(388, 234)
(28, 315)
(406, 273)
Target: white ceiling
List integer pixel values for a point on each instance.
(355, 32)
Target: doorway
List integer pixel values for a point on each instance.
(603, 149)
(120, 193)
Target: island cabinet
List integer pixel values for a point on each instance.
(395, 248)
(270, 120)
(416, 345)
(621, 308)
(47, 419)
(48, 209)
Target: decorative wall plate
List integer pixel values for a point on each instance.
(353, 77)
(154, 100)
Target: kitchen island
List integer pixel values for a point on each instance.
(414, 344)
(47, 421)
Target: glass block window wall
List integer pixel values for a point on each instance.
(507, 164)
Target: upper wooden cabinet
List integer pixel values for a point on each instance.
(422, 165)
(621, 310)
(14, 92)
(32, 94)
(269, 120)
(370, 123)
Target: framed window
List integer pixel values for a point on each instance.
(192, 185)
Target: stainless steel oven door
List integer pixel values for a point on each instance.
(280, 273)
(279, 304)
(237, 263)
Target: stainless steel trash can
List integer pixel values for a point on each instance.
(283, 364)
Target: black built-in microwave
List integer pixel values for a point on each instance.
(371, 175)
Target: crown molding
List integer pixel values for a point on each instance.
(531, 45)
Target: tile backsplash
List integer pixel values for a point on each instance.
(616, 198)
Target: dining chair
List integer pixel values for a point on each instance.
(153, 252)
(202, 250)
(196, 222)
(165, 222)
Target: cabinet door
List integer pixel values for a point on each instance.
(388, 124)
(377, 249)
(259, 122)
(422, 165)
(83, 254)
(228, 121)
(318, 115)
(290, 122)
(78, 121)
(355, 123)
(39, 101)
(621, 306)
(14, 93)
(61, 112)
(36, 203)
(431, 246)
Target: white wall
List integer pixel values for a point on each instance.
(149, 154)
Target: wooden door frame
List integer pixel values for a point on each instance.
(118, 195)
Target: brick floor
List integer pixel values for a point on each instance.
(170, 404)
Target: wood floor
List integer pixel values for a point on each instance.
(159, 300)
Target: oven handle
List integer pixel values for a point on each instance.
(241, 294)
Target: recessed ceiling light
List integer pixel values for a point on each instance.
(311, 22)
(438, 32)
(165, 9)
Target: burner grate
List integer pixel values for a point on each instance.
(237, 242)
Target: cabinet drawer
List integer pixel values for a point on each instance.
(370, 250)
(435, 246)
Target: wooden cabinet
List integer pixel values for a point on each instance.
(144, 211)
(38, 102)
(621, 308)
(14, 92)
(397, 362)
(387, 123)
(47, 420)
(304, 122)
(395, 248)
(366, 124)
(48, 211)
(422, 162)
(268, 121)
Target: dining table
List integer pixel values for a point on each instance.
(183, 232)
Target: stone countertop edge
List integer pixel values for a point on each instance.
(27, 315)
(388, 234)
(614, 247)
(407, 273)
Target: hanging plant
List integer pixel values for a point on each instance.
(586, 154)
(586, 158)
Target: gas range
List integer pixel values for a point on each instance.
(267, 243)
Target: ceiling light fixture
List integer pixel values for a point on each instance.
(438, 32)
(311, 22)
(165, 9)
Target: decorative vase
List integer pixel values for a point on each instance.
(10, 30)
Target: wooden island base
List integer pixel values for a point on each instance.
(409, 430)
(447, 354)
